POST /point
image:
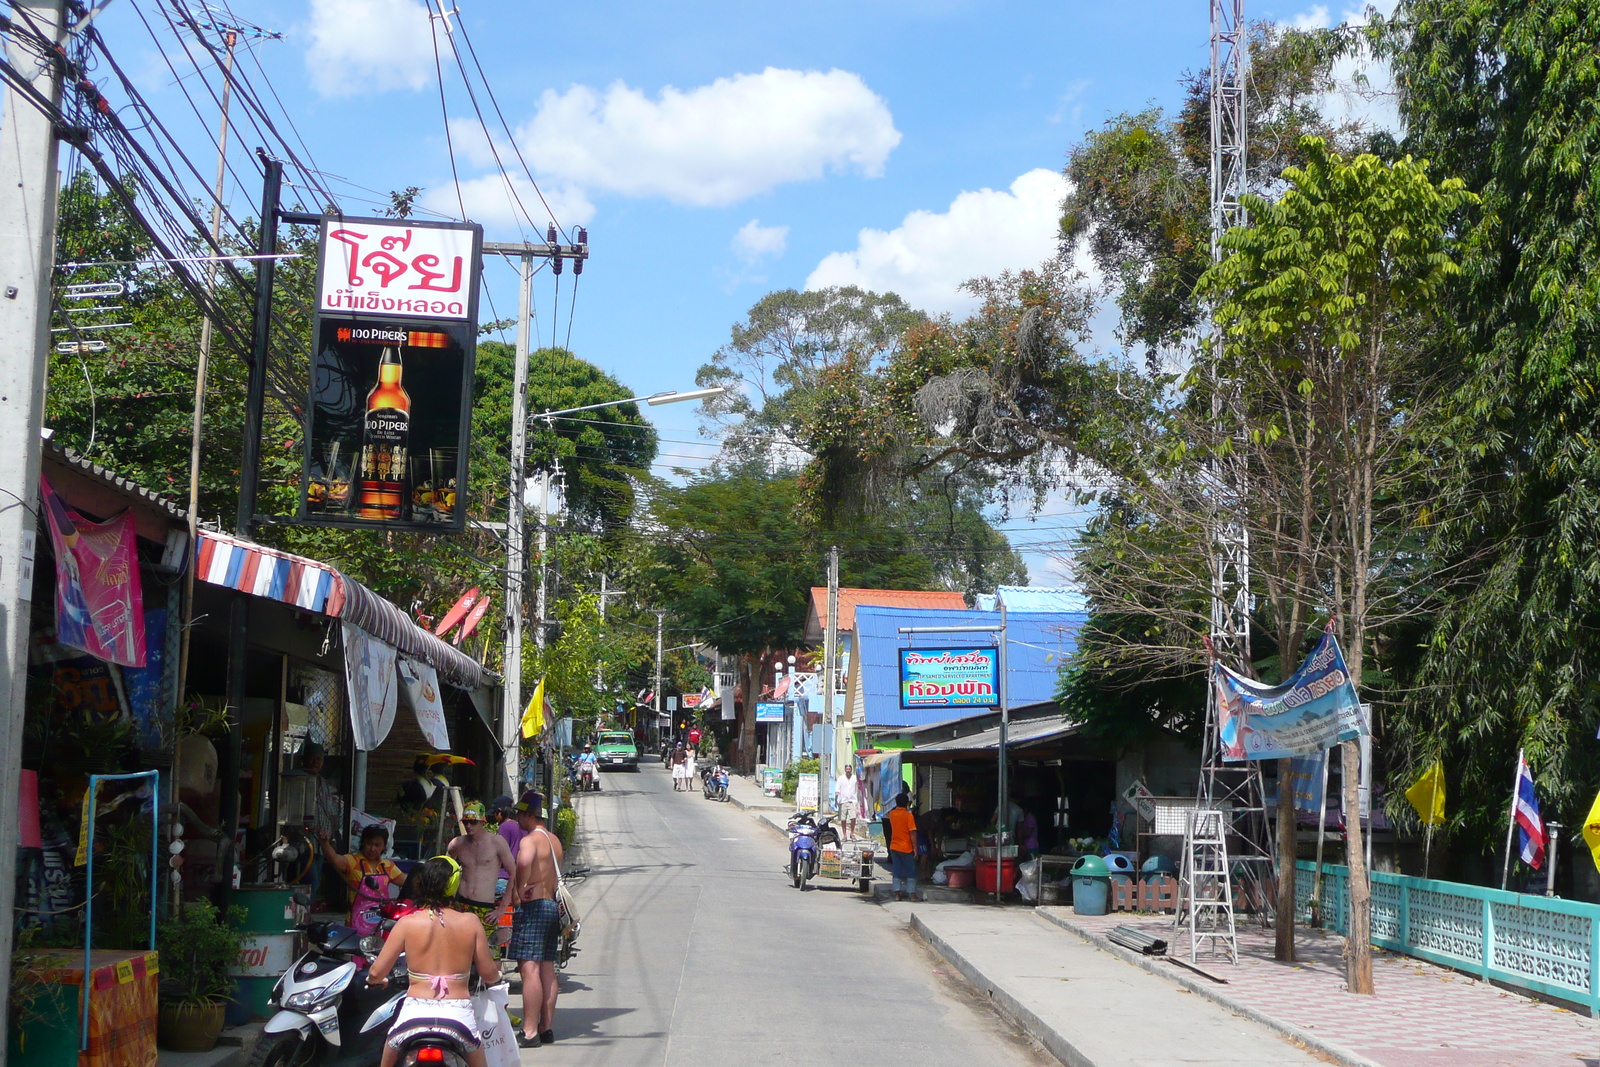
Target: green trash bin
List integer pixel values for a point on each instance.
(1091, 886)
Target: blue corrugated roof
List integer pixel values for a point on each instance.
(1038, 644)
(1033, 598)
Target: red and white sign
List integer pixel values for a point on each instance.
(398, 268)
(692, 700)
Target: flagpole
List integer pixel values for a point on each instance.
(1322, 833)
(1511, 823)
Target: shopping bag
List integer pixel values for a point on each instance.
(494, 1027)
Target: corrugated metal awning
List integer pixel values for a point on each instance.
(381, 619)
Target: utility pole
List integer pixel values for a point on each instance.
(516, 532)
(830, 658)
(28, 152)
(231, 39)
(660, 619)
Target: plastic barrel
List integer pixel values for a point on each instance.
(269, 921)
(1091, 886)
(986, 870)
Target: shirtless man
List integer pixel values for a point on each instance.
(481, 855)
(536, 929)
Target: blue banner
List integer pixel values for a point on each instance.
(1313, 711)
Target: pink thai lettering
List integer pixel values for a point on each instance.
(353, 239)
(423, 263)
(392, 242)
(385, 265)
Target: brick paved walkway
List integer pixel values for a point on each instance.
(1422, 1016)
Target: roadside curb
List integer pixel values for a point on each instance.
(1052, 1039)
(1312, 1041)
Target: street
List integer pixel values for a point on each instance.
(697, 950)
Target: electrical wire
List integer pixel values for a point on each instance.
(444, 114)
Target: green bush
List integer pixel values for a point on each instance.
(792, 773)
(566, 826)
(198, 950)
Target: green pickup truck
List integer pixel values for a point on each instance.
(617, 749)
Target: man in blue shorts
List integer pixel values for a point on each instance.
(536, 929)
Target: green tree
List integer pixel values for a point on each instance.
(1505, 95)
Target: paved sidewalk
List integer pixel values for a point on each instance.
(1088, 1008)
(1422, 1015)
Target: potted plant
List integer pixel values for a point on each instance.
(198, 950)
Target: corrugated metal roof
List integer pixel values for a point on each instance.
(1033, 598)
(1028, 732)
(850, 599)
(1039, 645)
(127, 486)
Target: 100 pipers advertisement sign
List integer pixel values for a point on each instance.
(390, 412)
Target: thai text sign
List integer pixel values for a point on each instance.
(1314, 710)
(398, 267)
(393, 350)
(769, 711)
(949, 678)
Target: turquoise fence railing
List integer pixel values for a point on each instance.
(1543, 944)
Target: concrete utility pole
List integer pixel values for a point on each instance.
(28, 151)
(830, 663)
(516, 533)
(660, 619)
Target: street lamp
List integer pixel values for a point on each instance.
(515, 549)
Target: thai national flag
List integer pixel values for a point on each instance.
(1526, 810)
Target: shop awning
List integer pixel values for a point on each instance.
(311, 585)
(381, 619)
(1029, 732)
(246, 567)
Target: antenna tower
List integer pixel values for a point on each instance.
(1235, 788)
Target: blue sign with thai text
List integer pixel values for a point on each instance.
(949, 678)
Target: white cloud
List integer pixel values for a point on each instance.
(487, 200)
(928, 256)
(755, 241)
(361, 46)
(712, 145)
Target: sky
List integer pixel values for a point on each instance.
(714, 151)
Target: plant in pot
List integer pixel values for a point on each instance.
(198, 948)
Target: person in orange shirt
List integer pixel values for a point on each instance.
(903, 848)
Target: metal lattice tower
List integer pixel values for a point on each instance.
(1236, 789)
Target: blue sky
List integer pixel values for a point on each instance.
(717, 151)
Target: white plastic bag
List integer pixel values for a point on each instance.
(494, 1026)
(1025, 873)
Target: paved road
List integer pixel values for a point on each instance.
(697, 951)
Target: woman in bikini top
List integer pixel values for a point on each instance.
(441, 946)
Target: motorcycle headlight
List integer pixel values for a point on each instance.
(308, 999)
(371, 945)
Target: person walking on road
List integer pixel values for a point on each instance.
(537, 928)
(847, 800)
(903, 848)
(680, 768)
(481, 855)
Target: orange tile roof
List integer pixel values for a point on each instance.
(850, 599)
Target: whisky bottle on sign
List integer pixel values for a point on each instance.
(386, 432)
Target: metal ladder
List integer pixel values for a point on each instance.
(1205, 890)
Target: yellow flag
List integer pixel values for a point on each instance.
(1591, 831)
(1427, 795)
(533, 718)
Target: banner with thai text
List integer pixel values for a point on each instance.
(1314, 710)
(99, 602)
(373, 683)
(949, 678)
(419, 684)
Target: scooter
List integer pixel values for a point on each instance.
(430, 1046)
(326, 1013)
(714, 783)
(822, 829)
(588, 781)
(804, 852)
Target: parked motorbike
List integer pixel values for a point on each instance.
(822, 829)
(804, 852)
(326, 1013)
(714, 782)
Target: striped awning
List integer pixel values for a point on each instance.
(381, 619)
(251, 568)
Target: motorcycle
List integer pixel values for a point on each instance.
(714, 782)
(804, 852)
(822, 829)
(588, 779)
(431, 1046)
(326, 1012)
